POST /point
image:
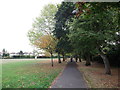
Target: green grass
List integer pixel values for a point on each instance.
(29, 74)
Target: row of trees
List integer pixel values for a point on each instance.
(83, 30)
(93, 31)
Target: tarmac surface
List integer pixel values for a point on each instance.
(71, 77)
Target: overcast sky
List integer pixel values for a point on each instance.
(16, 17)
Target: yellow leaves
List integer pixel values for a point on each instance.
(47, 42)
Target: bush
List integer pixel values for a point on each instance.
(23, 56)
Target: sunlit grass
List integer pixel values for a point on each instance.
(29, 74)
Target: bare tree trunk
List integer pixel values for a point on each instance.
(106, 63)
(76, 58)
(59, 60)
(63, 57)
(71, 58)
(88, 61)
(52, 59)
(79, 58)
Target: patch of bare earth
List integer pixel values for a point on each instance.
(96, 77)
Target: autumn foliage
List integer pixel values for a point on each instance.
(46, 42)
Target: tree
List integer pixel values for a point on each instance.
(5, 54)
(62, 16)
(46, 22)
(41, 35)
(43, 24)
(47, 43)
(21, 53)
(95, 26)
(33, 35)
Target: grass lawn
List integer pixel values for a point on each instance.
(30, 74)
(96, 77)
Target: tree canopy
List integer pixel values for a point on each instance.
(45, 22)
(94, 29)
(62, 16)
(43, 26)
(90, 32)
(83, 29)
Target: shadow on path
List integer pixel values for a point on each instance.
(71, 77)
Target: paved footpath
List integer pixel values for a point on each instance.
(71, 77)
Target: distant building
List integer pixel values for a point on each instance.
(24, 53)
(28, 53)
(13, 54)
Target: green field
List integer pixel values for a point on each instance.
(29, 74)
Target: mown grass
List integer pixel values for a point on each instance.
(29, 74)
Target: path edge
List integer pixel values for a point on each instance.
(54, 81)
(84, 77)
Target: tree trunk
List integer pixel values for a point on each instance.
(71, 59)
(63, 57)
(76, 58)
(52, 59)
(88, 61)
(79, 58)
(59, 60)
(106, 63)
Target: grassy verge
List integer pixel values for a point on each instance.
(29, 74)
(96, 78)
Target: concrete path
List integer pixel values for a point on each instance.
(71, 77)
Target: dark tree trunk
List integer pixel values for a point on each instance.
(71, 59)
(76, 58)
(106, 63)
(52, 59)
(79, 58)
(59, 60)
(63, 57)
(88, 61)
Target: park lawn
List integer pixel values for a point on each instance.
(95, 75)
(30, 74)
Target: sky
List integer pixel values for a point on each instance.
(16, 18)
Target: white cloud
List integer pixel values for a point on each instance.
(16, 17)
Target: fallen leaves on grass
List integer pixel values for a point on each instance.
(96, 77)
